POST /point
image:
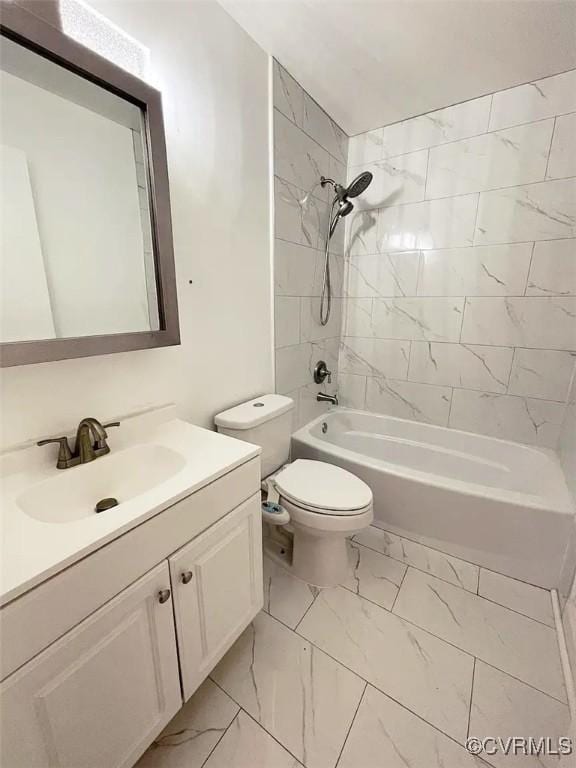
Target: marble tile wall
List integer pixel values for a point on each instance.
(459, 299)
(307, 145)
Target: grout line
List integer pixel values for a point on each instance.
(454, 388)
(283, 746)
(426, 546)
(550, 147)
(471, 697)
(396, 615)
(464, 307)
(529, 267)
(209, 755)
(305, 192)
(513, 610)
(491, 393)
(309, 136)
(413, 541)
(447, 554)
(518, 680)
(466, 344)
(367, 682)
(476, 246)
(309, 247)
(307, 609)
(388, 694)
(474, 228)
(431, 634)
(452, 141)
(510, 371)
(488, 190)
(399, 588)
(450, 407)
(373, 685)
(426, 177)
(475, 594)
(514, 578)
(408, 367)
(490, 112)
(420, 271)
(242, 709)
(351, 724)
(392, 297)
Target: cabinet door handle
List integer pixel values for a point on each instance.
(164, 595)
(186, 577)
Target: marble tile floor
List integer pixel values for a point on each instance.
(395, 668)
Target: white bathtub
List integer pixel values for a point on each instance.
(495, 503)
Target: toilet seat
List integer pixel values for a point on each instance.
(323, 488)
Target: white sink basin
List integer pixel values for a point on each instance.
(47, 515)
(73, 493)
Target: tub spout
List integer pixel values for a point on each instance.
(322, 397)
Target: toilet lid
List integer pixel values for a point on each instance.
(325, 487)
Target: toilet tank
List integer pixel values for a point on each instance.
(265, 421)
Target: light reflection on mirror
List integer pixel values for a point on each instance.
(76, 251)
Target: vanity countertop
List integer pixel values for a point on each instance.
(155, 461)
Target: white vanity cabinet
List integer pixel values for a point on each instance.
(98, 659)
(217, 582)
(99, 695)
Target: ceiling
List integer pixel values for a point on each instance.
(374, 62)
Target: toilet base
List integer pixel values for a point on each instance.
(314, 546)
(320, 558)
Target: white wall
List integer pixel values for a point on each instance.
(461, 307)
(214, 80)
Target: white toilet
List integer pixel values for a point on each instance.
(326, 504)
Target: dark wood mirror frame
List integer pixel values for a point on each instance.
(34, 33)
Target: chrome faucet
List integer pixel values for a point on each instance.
(91, 443)
(322, 397)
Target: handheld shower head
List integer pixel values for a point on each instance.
(341, 199)
(359, 185)
(344, 208)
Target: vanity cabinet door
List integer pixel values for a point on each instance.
(97, 697)
(217, 581)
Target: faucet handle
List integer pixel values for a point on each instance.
(321, 372)
(64, 452)
(102, 443)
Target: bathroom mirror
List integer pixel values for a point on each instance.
(86, 254)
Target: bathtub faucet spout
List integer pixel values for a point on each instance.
(322, 397)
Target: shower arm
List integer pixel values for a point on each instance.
(339, 190)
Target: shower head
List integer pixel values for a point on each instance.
(355, 188)
(359, 185)
(341, 195)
